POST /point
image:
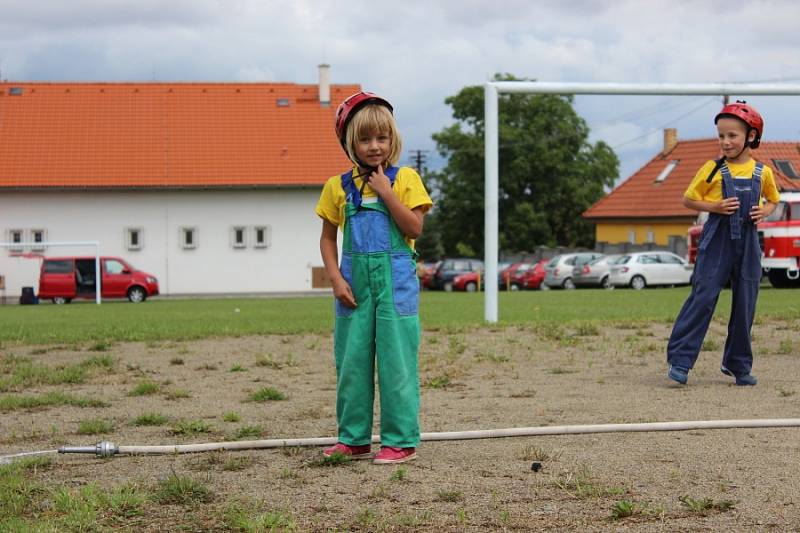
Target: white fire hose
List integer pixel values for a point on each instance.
(109, 449)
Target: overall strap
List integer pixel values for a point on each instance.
(353, 194)
(727, 180)
(757, 180)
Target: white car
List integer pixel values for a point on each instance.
(642, 269)
(559, 269)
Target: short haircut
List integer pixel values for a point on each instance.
(371, 119)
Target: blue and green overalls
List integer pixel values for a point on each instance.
(728, 250)
(384, 327)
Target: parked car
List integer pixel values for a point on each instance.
(642, 269)
(469, 282)
(427, 277)
(62, 279)
(450, 268)
(529, 275)
(559, 269)
(595, 273)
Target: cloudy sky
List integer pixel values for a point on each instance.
(418, 52)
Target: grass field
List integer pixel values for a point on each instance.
(195, 371)
(198, 319)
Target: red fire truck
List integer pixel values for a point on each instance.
(779, 237)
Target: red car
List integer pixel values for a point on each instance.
(64, 278)
(468, 281)
(528, 276)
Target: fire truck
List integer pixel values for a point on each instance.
(779, 237)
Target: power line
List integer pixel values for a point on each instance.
(659, 128)
(418, 157)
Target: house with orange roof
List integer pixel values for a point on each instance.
(647, 208)
(209, 186)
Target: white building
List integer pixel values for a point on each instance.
(210, 187)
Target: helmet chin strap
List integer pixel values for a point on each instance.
(721, 160)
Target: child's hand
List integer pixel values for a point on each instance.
(757, 214)
(379, 182)
(343, 293)
(727, 206)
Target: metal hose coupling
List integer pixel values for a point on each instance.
(101, 449)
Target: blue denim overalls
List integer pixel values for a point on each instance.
(384, 327)
(728, 250)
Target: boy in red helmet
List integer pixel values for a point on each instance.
(731, 189)
(380, 209)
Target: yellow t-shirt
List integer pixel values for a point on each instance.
(407, 186)
(699, 189)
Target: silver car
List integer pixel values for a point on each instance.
(559, 269)
(594, 273)
(642, 269)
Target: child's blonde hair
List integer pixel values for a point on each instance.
(369, 120)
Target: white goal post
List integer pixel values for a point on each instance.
(20, 246)
(492, 90)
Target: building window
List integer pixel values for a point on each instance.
(134, 238)
(786, 167)
(667, 170)
(238, 237)
(15, 236)
(261, 237)
(632, 236)
(651, 236)
(38, 236)
(189, 238)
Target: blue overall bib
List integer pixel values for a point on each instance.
(728, 250)
(384, 327)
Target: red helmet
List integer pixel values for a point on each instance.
(348, 108)
(748, 115)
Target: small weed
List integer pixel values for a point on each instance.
(461, 515)
(335, 459)
(247, 520)
(622, 509)
(399, 474)
(235, 464)
(560, 370)
(95, 427)
(183, 350)
(248, 432)
(267, 394)
(237, 368)
(437, 382)
(145, 388)
(176, 361)
(581, 486)
(268, 362)
(449, 495)
(14, 402)
(710, 345)
(785, 393)
(587, 329)
(288, 474)
(177, 394)
(492, 357)
(100, 346)
(785, 347)
(535, 453)
(365, 517)
(231, 416)
(190, 427)
(150, 419)
(182, 490)
(703, 505)
(207, 366)
(457, 345)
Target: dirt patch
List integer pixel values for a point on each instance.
(472, 379)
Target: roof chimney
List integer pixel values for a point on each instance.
(670, 140)
(324, 85)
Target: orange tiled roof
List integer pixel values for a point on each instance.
(641, 197)
(167, 135)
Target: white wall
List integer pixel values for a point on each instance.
(214, 266)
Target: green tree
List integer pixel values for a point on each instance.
(549, 172)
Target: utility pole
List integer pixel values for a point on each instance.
(418, 156)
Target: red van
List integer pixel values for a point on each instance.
(64, 278)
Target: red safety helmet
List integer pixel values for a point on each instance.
(347, 110)
(746, 114)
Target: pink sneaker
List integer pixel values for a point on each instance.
(390, 456)
(354, 452)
